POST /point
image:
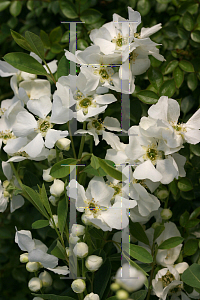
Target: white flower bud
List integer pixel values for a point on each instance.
(37, 298)
(63, 144)
(78, 286)
(166, 214)
(35, 284)
(73, 239)
(114, 287)
(122, 295)
(93, 262)
(23, 258)
(68, 251)
(46, 175)
(91, 296)
(57, 188)
(81, 250)
(53, 200)
(55, 218)
(78, 229)
(162, 194)
(32, 266)
(46, 279)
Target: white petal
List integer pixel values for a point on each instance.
(112, 124)
(24, 240)
(40, 107)
(64, 270)
(3, 203)
(192, 136)
(53, 135)
(116, 216)
(180, 161)
(6, 69)
(47, 260)
(35, 147)
(52, 66)
(100, 191)
(167, 169)
(40, 245)
(146, 32)
(7, 170)
(14, 145)
(173, 112)
(60, 114)
(25, 124)
(147, 171)
(159, 110)
(105, 99)
(181, 267)
(194, 121)
(16, 202)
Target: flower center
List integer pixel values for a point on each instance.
(97, 124)
(117, 188)
(85, 102)
(119, 40)
(21, 153)
(105, 74)
(133, 56)
(152, 153)
(167, 279)
(92, 209)
(43, 126)
(6, 135)
(2, 111)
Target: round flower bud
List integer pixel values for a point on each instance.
(91, 296)
(55, 218)
(85, 220)
(93, 262)
(78, 286)
(46, 175)
(63, 144)
(73, 239)
(162, 194)
(53, 200)
(32, 266)
(57, 188)
(35, 284)
(114, 287)
(155, 224)
(81, 250)
(122, 295)
(23, 258)
(46, 279)
(166, 214)
(37, 298)
(78, 229)
(68, 251)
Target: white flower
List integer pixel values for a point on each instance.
(92, 296)
(78, 286)
(35, 284)
(63, 144)
(55, 218)
(57, 188)
(81, 250)
(130, 284)
(93, 262)
(78, 229)
(35, 89)
(46, 279)
(46, 175)
(32, 266)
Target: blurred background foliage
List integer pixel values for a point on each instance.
(178, 77)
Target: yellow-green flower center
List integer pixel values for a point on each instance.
(167, 279)
(43, 126)
(85, 102)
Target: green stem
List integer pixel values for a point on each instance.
(153, 253)
(92, 282)
(72, 141)
(82, 142)
(91, 144)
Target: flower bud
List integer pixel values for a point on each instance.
(81, 250)
(57, 188)
(46, 279)
(166, 214)
(78, 229)
(35, 284)
(23, 258)
(32, 266)
(46, 175)
(78, 286)
(155, 224)
(73, 239)
(55, 218)
(37, 298)
(122, 295)
(53, 200)
(63, 144)
(85, 220)
(114, 287)
(91, 296)
(68, 251)
(162, 194)
(93, 263)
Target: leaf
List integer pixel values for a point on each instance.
(184, 218)
(90, 16)
(61, 168)
(155, 77)
(192, 223)
(68, 9)
(45, 39)
(36, 43)
(186, 104)
(190, 247)
(185, 185)
(188, 21)
(192, 81)
(139, 295)
(186, 66)
(40, 224)
(91, 171)
(56, 48)
(81, 44)
(44, 199)
(4, 5)
(20, 40)
(191, 276)
(157, 232)
(138, 253)
(95, 162)
(58, 251)
(63, 67)
(173, 187)
(101, 278)
(55, 35)
(53, 297)
(195, 149)
(143, 6)
(25, 62)
(138, 232)
(147, 97)
(195, 213)
(62, 213)
(195, 36)
(15, 8)
(168, 88)
(171, 242)
(171, 66)
(111, 171)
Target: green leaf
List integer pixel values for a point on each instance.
(44, 199)
(56, 48)
(138, 232)
(195, 213)
(62, 214)
(195, 36)
(61, 168)
(91, 171)
(195, 149)
(168, 88)
(184, 184)
(188, 21)
(139, 295)
(36, 43)
(90, 16)
(143, 6)
(55, 35)
(45, 39)
(40, 224)
(190, 247)
(173, 187)
(147, 97)
(63, 67)
(20, 40)
(171, 242)
(171, 66)
(187, 103)
(4, 5)
(15, 8)
(191, 276)
(186, 66)
(25, 62)
(192, 81)
(138, 253)
(81, 44)
(155, 77)
(111, 171)
(192, 223)
(68, 9)
(95, 162)
(59, 251)
(157, 232)
(184, 218)
(101, 278)
(53, 297)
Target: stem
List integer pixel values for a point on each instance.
(52, 77)
(92, 282)
(71, 138)
(152, 271)
(82, 142)
(91, 144)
